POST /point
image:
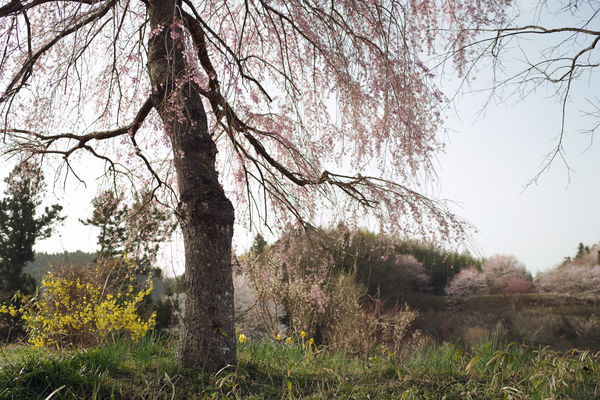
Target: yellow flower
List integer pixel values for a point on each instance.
(288, 340)
(303, 334)
(242, 338)
(311, 341)
(278, 337)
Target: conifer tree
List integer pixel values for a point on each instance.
(21, 226)
(135, 230)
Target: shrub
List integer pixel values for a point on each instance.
(468, 282)
(75, 310)
(357, 326)
(326, 303)
(304, 295)
(294, 274)
(258, 295)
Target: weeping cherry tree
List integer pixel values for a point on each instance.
(274, 109)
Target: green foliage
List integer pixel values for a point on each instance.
(259, 244)
(67, 376)
(95, 373)
(164, 310)
(441, 264)
(21, 226)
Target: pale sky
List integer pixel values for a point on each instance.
(495, 154)
(488, 161)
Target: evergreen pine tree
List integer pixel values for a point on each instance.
(20, 226)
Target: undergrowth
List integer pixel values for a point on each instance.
(279, 370)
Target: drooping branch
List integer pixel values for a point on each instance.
(19, 80)
(195, 25)
(42, 145)
(16, 6)
(82, 140)
(563, 54)
(506, 32)
(362, 189)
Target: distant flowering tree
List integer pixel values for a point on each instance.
(572, 279)
(272, 94)
(518, 286)
(468, 282)
(413, 272)
(501, 270)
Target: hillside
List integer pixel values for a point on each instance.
(44, 261)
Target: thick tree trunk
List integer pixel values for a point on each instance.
(205, 214)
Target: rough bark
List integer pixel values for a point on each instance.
(206, 216)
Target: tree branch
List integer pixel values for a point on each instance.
(82, 140)
(27, 68)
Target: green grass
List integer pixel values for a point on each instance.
(267, 370)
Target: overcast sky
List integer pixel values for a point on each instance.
(488, 162)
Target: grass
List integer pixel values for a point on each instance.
(268, 370)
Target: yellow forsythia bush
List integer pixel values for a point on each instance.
(73, 312)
